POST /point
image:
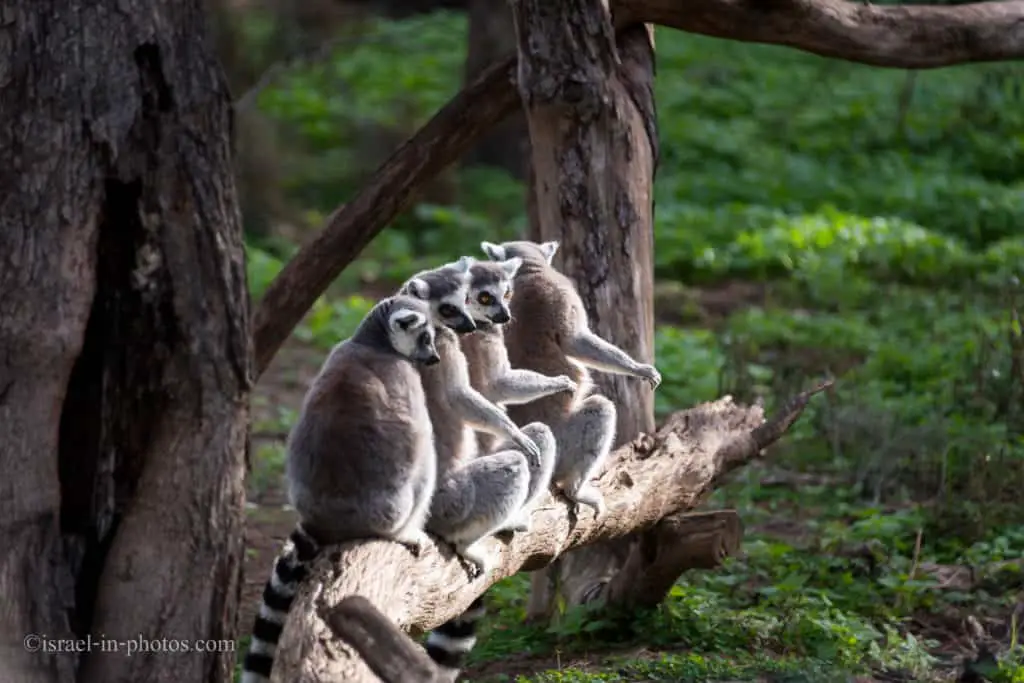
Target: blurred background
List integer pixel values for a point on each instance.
(813, 217)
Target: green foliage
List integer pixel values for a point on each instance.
(879, 212)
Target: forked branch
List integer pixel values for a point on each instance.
(651, 479)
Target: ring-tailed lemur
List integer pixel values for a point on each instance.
(490, 294)
(475, 496)
(360, 459)
(549, 333)
(490, 290)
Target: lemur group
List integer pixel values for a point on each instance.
(456, 404)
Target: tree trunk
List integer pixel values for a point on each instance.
(590, 108)
(491, 39)
(124, 334)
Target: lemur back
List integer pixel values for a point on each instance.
(545, 309)
(360, 459)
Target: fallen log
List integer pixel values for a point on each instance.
(653, 478)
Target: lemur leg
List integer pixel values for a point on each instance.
(412, 533)
(541, 470)
(584, 441)
(475, 500)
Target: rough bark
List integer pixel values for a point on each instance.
(124, 347)
(901, 36)
(490, 40)
(676, 544)
(912, 36)
(589, 106)
(654, 478)
(391, 654)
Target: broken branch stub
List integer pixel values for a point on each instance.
(652, 478)
(387, 650)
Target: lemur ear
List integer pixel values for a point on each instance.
(405, 318)
(549, 249)
(418, 288)
(464, 264)
(511, 266)
(495, 252)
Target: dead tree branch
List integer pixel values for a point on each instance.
(387, 650)
(906, 37)
(900, 36)
(653, 478)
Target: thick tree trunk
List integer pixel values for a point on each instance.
(124, 341)
(491, 39)
(590, 108)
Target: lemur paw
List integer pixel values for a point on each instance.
(591, 498)
(567, 383)
(518, 523)
(651, 375)
(415, 542)
(476, 562)
(529, 448)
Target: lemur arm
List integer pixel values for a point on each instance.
(592, 351)
(519, 386)
(483, 415)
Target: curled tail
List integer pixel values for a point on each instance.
(290, 569)
(449, 643)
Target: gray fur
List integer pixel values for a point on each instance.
(480, 496)
(490, 293)
(549, 334)
(360, 459)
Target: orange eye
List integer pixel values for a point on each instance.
(485, 299)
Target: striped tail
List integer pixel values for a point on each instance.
(450, 642)
(290, 568)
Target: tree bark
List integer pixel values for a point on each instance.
(491, 39)
(589, 105)
(654, 477)
(124, 339)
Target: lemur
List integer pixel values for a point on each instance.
(360, 460)
(490, 293)
(490, 290)
(475, 496)
(549, 333)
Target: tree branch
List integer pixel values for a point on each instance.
(444, 138)
(901, 36)
(912, 36)
(387, 650)
(654, 477)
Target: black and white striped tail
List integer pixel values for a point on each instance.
(450, 643)
(290, 568)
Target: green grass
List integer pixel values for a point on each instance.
(887, 240)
